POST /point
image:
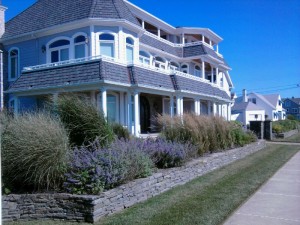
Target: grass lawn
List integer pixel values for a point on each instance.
(207, 200)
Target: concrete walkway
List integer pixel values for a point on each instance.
(277, 202)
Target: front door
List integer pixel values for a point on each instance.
(145, 115)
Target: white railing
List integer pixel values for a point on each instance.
(72, 61)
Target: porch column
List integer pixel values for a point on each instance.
(217, 76)
(158, 32)
(178, 109)
(203, 38)
(122, 108)
(221, 110)
(214, 109)
(212, 74)
(143, 24)
(203, 69)
(136, 114)
(197, 106)
(171, 106)
(210, 42)
(93, 97)
(229, 112)
(217, 48)
(129, 112)
(183, 40)
(104, 101)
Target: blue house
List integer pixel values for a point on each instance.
(130, 64)
(292, 107)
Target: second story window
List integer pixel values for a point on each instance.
(129, 50)
(160, 63)
(197, 71)
(144, 58)
(79, 47)
(107, 45)
(13, 62)
(59, 50)
(185, 68)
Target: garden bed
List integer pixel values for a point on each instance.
(286, 134)
(91, 208)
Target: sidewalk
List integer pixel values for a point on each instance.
(276, 203)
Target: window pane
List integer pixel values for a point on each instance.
(79, 51)
(129, 41)
(107, 49)
(59, 43)
(111, 108)
(129, 54)
(142, 53)
(13, 67)
(64, 54)
(54, 56)
(79, 39)
(107, 37)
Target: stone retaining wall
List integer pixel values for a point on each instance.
(287, 134)
(91, 208)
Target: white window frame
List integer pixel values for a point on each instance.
(159, 64)
(199, 74)
(174, 68)
(80, 43)
(143, 58)
(9, 64)
(49, 50)
(130, 46)
(183, 69)
(98, 48)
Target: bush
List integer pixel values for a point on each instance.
(166, 154)
(120, 131)
(84, 122)
(284, 125)
(239, 137)
(90, 172)
(35, 151)
(209, 134)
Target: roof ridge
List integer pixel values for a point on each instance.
(93, 8)
(118, 11)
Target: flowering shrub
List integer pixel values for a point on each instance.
(166, 154)
(93, 168)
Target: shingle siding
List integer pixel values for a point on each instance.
(193, 51)
(114, 72)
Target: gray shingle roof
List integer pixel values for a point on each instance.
(245, 106)
(46, 13)
(151, 78)
(79, 74)
(185, 84)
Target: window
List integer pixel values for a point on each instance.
(13, 62)
(107, 45)
(59, 50)
(279, 102)
(197, 71)
(294, 110)
(174, 66)
(287, 103)
(253, 100)
(144, 58)
(185, 68)
(287, 110)
(129, 50)
(111, 108)
(79, 47)
(160, 62)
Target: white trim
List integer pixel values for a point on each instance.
(116, 40)
(188, 68)
(73, 44)
(48, 51)
(134, 48)
(9, 64)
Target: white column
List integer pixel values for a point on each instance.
(143, 24)
(92, 42)
(210, 42)
(178, 106)
(104, 101)
(214, 109)
(221, 110)
(217, 76)
(129, 112)
(203, 38)
(229, 112)
(183, 40)
(158, 32)
(203, 69)
(122, 108)
(171, 106)
(136, 114)
(121, 45)
(217, 48)
(199, 108)
(196, 106)
(181, 106)
(212, 74)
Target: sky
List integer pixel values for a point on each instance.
(261, 37)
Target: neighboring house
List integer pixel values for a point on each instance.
(255, 106)
(292, 106)
(130, 63)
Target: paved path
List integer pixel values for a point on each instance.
(277, 202)
(282, 143)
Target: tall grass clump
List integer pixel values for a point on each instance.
(209, 134)
(35, 152)
(84, 122)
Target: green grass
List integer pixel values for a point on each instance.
(207, 200)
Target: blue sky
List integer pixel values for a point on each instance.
(261, 37)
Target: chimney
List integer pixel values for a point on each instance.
(2, 19)
(245, 98)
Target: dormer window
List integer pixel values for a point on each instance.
(79, 47)
(59, 51)
(197, 71)
(13, 62)
(185, 68)
(129, 50)
(107, 45)
(144, 58)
